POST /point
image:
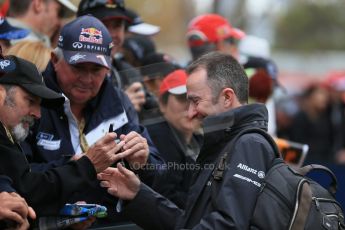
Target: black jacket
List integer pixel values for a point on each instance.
(6, 184)
(172, 148)
(228, 205)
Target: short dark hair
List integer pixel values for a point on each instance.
(18, 7)
(223, 71)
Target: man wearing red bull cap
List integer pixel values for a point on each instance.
(212, 32)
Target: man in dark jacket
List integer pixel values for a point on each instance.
(93, 107)
(217, 89)
(22, 92)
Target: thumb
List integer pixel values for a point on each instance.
(123, 170)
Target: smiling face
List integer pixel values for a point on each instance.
(80, 82)
(18, 110)
(202, 102)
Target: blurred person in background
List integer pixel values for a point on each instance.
(8, 33)
(33, 51)
(113, 14)
(312, 124)
(263, 81)
(212, 32)
(176, 138)
(43, 18)
(138, 27)
(155, 67)
(335, 80)
(137, 47)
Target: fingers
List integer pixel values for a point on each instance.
(133, 139)
(31, 213)
(125, 172)
(112, 191)
(109, 137)
(14, 216)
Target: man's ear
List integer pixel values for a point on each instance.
(37, 5)
(228, 95)
(54, 58)
(162, 106)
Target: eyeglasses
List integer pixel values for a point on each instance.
(89, 4)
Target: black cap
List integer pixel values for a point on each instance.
(158, 65)
(103, 9)
(139, 46)
(17, 71)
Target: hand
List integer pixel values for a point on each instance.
(136, 149)
(14, 208)
(105, 152)
(120, 182)
(136, 95)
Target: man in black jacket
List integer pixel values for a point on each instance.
(217, 89)
(22, 92)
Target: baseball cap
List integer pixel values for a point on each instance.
(211, 28)
(69, 9)
(8, 32)
(158, 65)
(86, 39)
(103, 9)
(17, 71)
(139, 46)
(138, 26)
(174, 83)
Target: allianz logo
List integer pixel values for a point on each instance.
(244, 167)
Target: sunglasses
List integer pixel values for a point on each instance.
(89, 4)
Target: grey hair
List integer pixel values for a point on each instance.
(10, 92)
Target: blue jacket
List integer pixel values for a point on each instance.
(49, 142)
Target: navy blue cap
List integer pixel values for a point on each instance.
(86, 39)
(8, 32)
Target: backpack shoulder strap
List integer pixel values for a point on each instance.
(218, 171)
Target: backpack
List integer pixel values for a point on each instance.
(287, 198)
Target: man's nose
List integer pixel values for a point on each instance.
(192, 112)
(36, 111)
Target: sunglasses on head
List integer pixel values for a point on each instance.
(89, 4)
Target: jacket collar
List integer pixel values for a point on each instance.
(220, 128)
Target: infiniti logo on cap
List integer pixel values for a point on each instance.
(77, 45)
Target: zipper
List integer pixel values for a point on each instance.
(297, 202)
